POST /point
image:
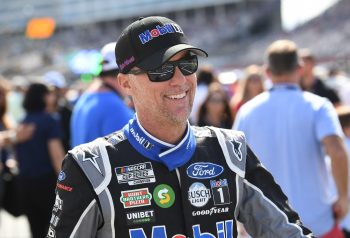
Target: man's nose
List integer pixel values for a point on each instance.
(178, 77)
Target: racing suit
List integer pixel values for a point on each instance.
(109, 188)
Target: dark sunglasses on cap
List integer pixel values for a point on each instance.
(187, 65)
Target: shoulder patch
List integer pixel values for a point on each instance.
(93, 159)
(234, 147)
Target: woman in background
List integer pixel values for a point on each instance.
(249, 86)
(215, 110)
(39, 160)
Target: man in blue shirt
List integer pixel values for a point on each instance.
(101, 109)
(290, 131)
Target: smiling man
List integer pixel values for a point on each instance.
(159, 176)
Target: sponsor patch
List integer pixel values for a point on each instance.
(139, 217)
(198, 194)
(51, 233)
(54, 220)
(135, 174)
(141, 140)
(164, 196)
(148, 35)
(58, 204)
(224, 229)
(211, 211)
(64, 187)
(61, 176)
(136, 198)
(204, 170)
(220, 191)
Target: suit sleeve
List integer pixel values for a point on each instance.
(76, 212)
(264, 209)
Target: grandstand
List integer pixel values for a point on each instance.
(234, 32)
(85, 24)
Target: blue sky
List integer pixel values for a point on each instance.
(296, 12)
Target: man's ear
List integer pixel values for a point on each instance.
(268, 72)
(123, 82)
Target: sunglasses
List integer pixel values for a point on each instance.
(187, 65)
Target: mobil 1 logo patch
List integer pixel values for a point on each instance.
(139, 217)
(135, 174)
(220, 191)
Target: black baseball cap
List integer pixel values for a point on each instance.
(149, 42)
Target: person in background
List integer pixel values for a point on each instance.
(249, 86)
(59, 107)
(344, 118)
(310, 82)
(158, 176)
(101, 109)
(206, 76)
(292, 131)
(39, 160)
(215, 110)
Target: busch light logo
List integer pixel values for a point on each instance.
(198, 194)
(202, 170)
(159, 31)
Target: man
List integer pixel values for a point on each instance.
(159, 177)
(311, 83)
(58, 106)
(290, 130)
(101, 109)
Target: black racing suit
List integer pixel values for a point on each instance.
(107, 189)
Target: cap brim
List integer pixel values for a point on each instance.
(161, 56)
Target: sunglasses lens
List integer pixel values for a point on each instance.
(163, 73)
(188, 66)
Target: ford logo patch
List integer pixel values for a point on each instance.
(61, 176)
(202, 170)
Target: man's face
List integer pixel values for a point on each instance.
(164, 102)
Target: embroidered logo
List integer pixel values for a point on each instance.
(204, 170)
(141, 140)
(198, 194)
(237, 149)
(58, 204)
(89, 156)
(220, 190)
(140, 217)
(148, 35)
(136, 198)
(61, 176)
(135, 174)
(164, 196)
(64, 187)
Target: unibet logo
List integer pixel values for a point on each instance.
(164, 196)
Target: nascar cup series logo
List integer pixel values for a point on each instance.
(198, 194)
